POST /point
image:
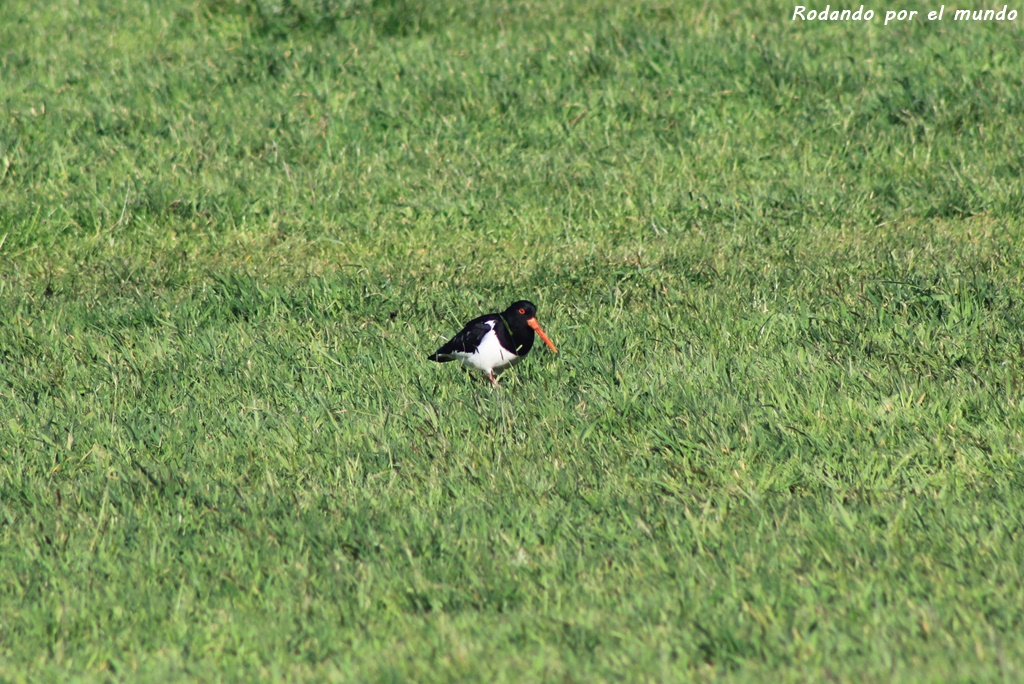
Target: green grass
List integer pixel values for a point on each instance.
(783, 439)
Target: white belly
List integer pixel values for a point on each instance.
(489, 357)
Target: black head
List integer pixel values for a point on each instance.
(522, 309)
(521, 318)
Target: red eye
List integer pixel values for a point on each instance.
(522, 311)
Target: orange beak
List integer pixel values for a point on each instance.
(532, 322)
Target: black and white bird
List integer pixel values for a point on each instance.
(493, 342)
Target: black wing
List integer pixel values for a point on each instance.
(467, 340)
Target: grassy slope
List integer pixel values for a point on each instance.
(782, 439)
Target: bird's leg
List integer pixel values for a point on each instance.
(494, 380)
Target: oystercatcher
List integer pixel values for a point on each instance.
(493, 342)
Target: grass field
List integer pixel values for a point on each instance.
(783, 439)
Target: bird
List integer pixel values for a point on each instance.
(493, 342)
